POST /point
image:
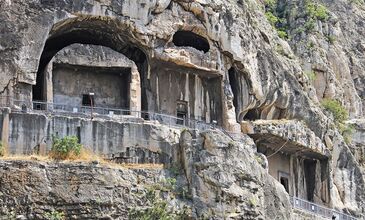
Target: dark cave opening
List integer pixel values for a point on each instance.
(190, 39)
(285, 182)
(241, 87)
(252, 115)
(94, 32)
(233, 81)
(310, 177)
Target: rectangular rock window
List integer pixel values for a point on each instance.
(181, 111)
(87, 100)
(284, 180)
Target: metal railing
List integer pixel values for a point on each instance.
(319, 210)
(95, 111)
(106, 111)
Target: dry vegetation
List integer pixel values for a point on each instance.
(68, 150)
(85, 156)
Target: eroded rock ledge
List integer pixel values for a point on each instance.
(214, 187)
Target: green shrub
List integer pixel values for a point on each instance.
(340, 114)
(166, 185)
(271, 18)
(65, 148)
(282, 34)
(170, 183)
(276, 18)
(317, 11)
(299, 30)
(158, 210)
(309, 25)
(271, 4)
(55, 215)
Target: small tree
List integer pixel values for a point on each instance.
(67, 147)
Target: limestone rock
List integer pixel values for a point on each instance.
(244, 72)
(225, 188)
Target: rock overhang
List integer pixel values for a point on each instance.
(287, 136)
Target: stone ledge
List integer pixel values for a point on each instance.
(295, 135)
(190, 58)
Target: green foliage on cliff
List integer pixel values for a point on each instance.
(65, 148)
(158, 208)
(309, 24)
(55, 215)
(339, 112)
(276, 18)
(270, 4)
(311, 75)
(340, 115)
(278, 14)
(271, 18)
(282, 33)
(331, 39)
(316, 11)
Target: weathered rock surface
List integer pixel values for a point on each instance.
(92, 55)
(332, 50)
(238, 194)
(288, 130)
(85, 190)
(219, 188)
(262, 77)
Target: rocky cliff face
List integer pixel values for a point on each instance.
(332, 49)
(206, 186)
(329, 48)
(319, 55)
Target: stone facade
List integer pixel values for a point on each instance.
(128, 139)
(296, 157)
(82, 69)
